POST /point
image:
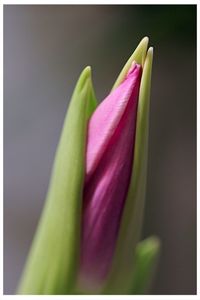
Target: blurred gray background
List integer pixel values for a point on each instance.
(45, 49)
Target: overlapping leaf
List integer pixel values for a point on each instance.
(54, 256)
(121, 275)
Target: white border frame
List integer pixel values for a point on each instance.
(105, 2)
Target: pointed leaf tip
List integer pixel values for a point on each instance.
(138, 56)
(150, 52)
(54, 237)
(143, 43)
(85, 86)
(150, 49)
(123, 261)
(145, 39)
(150, 245)
(147, 254)
(87, 72)
(85, 75)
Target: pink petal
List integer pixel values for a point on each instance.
(109, 157)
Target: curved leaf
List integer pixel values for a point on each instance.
(138, 55)
(147, 253)
(121, 275)
(53, 260)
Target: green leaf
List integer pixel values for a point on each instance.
(121, 275)
(54, 256)
(138, 55)
(147, 253)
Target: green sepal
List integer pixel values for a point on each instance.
(147, 254)
(121, 275)
(53, 260)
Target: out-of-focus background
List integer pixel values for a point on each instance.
(45, 49)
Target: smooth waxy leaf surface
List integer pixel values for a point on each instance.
(54, 257)
(138, 55)
(147, 253)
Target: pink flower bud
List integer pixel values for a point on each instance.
(109, 159)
